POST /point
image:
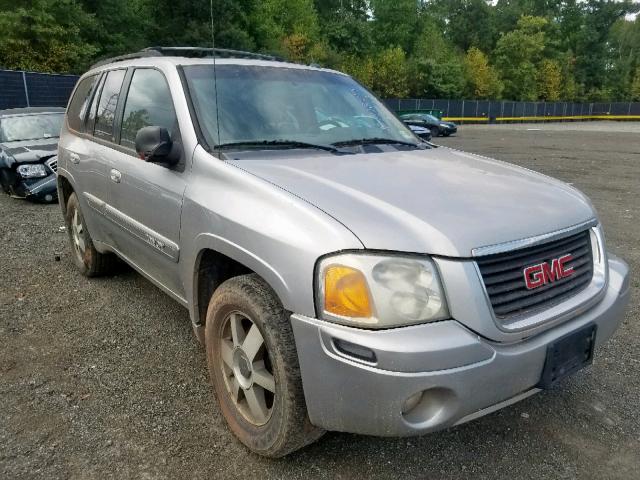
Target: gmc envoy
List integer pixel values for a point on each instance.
(342, 274)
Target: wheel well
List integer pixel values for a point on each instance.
(214, 268)
(65, 190)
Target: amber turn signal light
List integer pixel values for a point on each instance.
(346, 292)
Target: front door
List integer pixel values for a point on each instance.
(146, 198)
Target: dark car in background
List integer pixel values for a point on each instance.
(421, 132)
(28, 152)
(434, 124)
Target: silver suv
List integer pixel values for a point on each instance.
(342, 274)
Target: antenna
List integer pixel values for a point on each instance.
(215, 76)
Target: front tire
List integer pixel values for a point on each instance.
(89, 261)
(435, 131)
(254, 369)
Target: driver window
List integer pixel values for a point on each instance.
(148, 104)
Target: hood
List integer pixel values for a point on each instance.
(31, 151)
(436, 201)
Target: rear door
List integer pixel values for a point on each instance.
(95, 161)
(95, 97)
(147, 197)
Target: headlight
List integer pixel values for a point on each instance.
(444, 125)
(379, 291)
(32, 170)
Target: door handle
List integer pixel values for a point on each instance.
(115, 175)
(75, 158)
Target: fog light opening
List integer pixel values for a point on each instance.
(429, 406)
(411, 402)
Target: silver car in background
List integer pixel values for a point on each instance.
(342, 274)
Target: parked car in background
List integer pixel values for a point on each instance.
(437, 126)
(28, 152)
(342, 274)
(421, 132)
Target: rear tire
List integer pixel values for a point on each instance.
(89, 261)
(435, 131)
(254, 368)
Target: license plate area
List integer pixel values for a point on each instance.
(567, 355)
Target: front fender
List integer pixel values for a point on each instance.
(6, 160)
(209, 241)
(268, 230)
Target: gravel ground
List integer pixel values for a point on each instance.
(103, 378)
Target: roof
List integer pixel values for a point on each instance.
(187, 52)
(156, 56)
(30, 111)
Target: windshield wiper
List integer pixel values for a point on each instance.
(283, 144)
(372, 141)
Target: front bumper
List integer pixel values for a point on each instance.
(41, 189)
(462, 375)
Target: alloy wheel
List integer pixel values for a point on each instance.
(247, 368)
(77, 233)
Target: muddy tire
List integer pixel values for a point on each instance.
(254, 368)
(89, 261)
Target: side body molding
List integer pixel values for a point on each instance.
(152, 238)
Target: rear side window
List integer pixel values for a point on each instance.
(106, 112)
(79, 104)
(148, 103)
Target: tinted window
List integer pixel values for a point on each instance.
(107, 105)
(80, 103)
(91, 118)
(148, 103)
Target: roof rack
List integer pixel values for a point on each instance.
(188, 52)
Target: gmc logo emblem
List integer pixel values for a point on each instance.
(538, 275)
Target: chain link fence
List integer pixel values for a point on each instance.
(30, 89)
(491, 110)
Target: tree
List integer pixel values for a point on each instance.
(119, 25)
(549, 80)
(592, 46)
(360, 68)
(482, 79)
(390, 75)
(436, 68)
(517, 54)
(635, 86)
(394, 23)
(46, 37)
(466, 23)
(441, 48)
(569, 84)
(179, 23)
(278, 24)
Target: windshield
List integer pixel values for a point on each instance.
(275, 104)
(30, 127)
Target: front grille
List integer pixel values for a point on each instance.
(52, 164)
(503, 275)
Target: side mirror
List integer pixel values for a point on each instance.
(154, 144)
